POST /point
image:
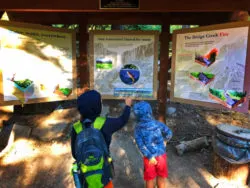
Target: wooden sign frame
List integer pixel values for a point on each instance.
(116, 32)
(72, 33)
(244, 107)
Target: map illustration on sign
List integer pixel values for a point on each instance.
(230, 99)
(202, 77)
(209, 66)
(37, 64)
(208, 59)
(103, 63)
(22, 89)
(124, 64)
(129, 74)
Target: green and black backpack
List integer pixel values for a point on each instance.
(91, 152)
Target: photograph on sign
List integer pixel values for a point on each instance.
(209, 66)
(37, 64)
(119, 4)
(124, 63)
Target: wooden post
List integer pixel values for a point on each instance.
(82, 61)
(235, 173)
(163, 74)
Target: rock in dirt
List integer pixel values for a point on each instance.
(21, 131)
(171, 110)
(50, 131)
(56, 124)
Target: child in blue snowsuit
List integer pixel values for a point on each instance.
(89, 105)
(149, 136)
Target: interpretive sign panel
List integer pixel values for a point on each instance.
(124, 63)
(210, 66)
(37, 63)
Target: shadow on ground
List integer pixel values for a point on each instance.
(32, 162)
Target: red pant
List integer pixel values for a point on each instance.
(109, 185)
(160, 169)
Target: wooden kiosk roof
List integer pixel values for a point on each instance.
(202, 12)
(164, 12)
(144, 5)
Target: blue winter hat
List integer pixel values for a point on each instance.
(89, 104)
(143, 110)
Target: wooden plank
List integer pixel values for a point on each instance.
(145, 5)
(194, 5)
(92, 18)
(199, 18)
(124, 18)
(47, 17)
(48, 5)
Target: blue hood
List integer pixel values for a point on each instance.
(150, 133)
(89, 104)
(143, 111)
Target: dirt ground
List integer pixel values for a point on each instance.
(39, 155)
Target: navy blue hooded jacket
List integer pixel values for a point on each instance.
(150, 133)
(89, 105)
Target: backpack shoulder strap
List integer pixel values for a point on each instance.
(99, 122)
(77, 127)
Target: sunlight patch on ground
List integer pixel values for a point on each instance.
(22, 149)
(52, 121)
(192, 183)
(59, 149)
(37, 159)
(234, 118)
(211, 180)
(218, 183)
(225, 184)
(211, 119)
(47, 162)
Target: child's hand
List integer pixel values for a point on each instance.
(128, 101)
(165, 142)
(153, 161)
